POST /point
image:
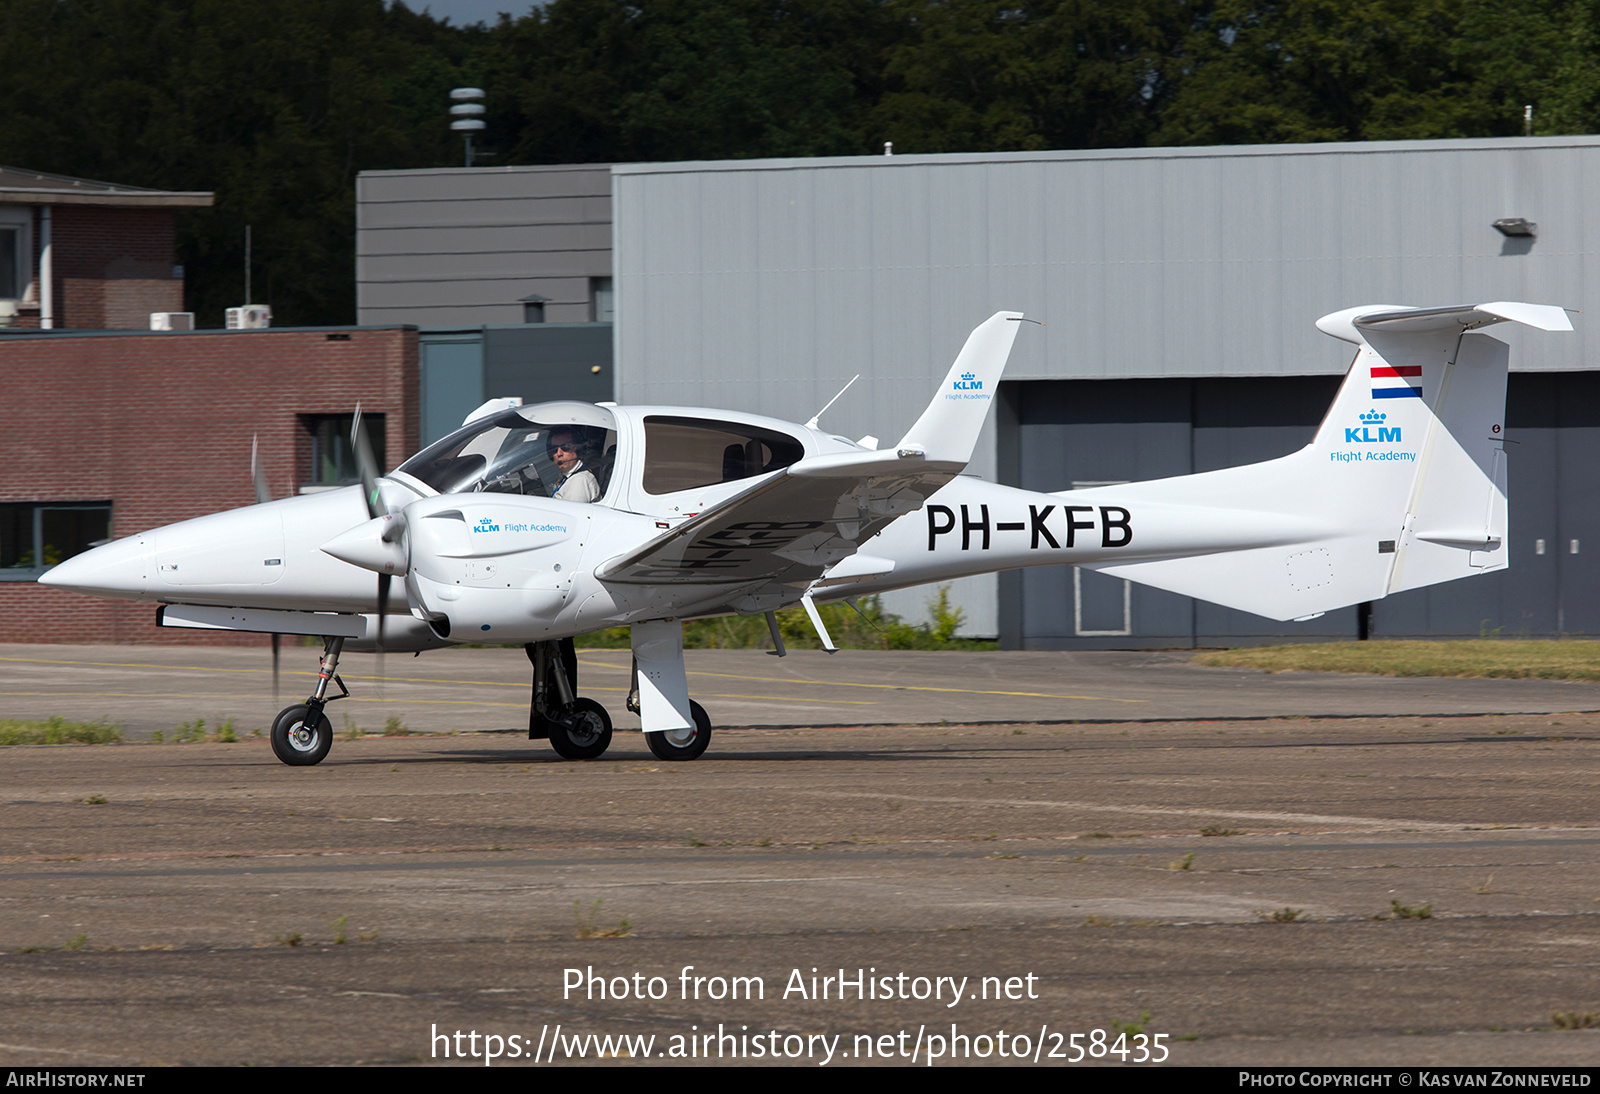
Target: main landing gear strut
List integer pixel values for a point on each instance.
(577, 728)
(302, 734)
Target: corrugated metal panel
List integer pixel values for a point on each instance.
(465, 246)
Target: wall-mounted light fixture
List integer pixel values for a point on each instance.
(1516, 226)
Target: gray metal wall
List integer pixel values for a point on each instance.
(447, 247)
(764, 285)
(1059, 433)
(463, 367)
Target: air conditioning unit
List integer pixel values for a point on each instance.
(250, 317)
(172, 320)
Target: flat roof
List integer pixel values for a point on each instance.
(19, 186)
(1221, 151)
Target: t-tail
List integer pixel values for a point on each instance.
(1405, 480)
(1404, 485)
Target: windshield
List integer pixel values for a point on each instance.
(527, 450)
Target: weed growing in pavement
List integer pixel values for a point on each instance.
(1183, 863)
(1283, 915)
(587, 929)
(1575, 1019)
(1398, 910)
(1132, 1029)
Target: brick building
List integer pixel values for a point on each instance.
(87, 255)
(107, 434)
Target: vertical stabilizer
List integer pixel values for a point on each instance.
(1406, 475)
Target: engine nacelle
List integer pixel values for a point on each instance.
(498, 567)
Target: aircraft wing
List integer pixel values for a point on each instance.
(789, 527)
(794, 525)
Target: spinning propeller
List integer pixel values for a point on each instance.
(394, 523)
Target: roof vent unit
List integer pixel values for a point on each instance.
(172, 320)
(250, 317)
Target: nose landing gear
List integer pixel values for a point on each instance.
(302, 734)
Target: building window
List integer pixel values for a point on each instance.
(602, 300)
(333, 457)
(10, 271)
(36, 535)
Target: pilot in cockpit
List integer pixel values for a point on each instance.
(576, 482)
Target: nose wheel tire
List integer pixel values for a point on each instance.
(683, 744)
(584, 733)
(298, 743)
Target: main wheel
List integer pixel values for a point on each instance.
(584, 733)
(683, 744)
(298, 744)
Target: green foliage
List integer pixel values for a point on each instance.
(277, 109)
(56, 731)
(869, 628)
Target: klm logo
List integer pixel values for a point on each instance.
(968, 383)
(486, 525)
(1362, 434)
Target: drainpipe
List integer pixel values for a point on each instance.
(47, 272)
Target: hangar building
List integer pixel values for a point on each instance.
(1179, 288)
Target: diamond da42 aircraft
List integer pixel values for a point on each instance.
(533, 524)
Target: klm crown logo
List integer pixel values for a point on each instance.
(1362, 434)
(485, 524)
(968, 382)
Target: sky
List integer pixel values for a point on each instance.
(463, 13)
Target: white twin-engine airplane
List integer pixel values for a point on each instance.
(532, 524)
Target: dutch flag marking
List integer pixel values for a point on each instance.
(1397, 381)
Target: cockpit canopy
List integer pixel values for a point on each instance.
(515, 451)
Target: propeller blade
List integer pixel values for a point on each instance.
(383, 609)
(276, 639)
(367, 466)
(257, 473)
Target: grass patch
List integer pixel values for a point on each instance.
(1283, 915)
(1524, 659)
(871, 628)
(57, 731)
(1184, 863)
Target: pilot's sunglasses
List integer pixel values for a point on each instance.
(565, 447)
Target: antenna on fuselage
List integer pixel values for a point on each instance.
(817, 417)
